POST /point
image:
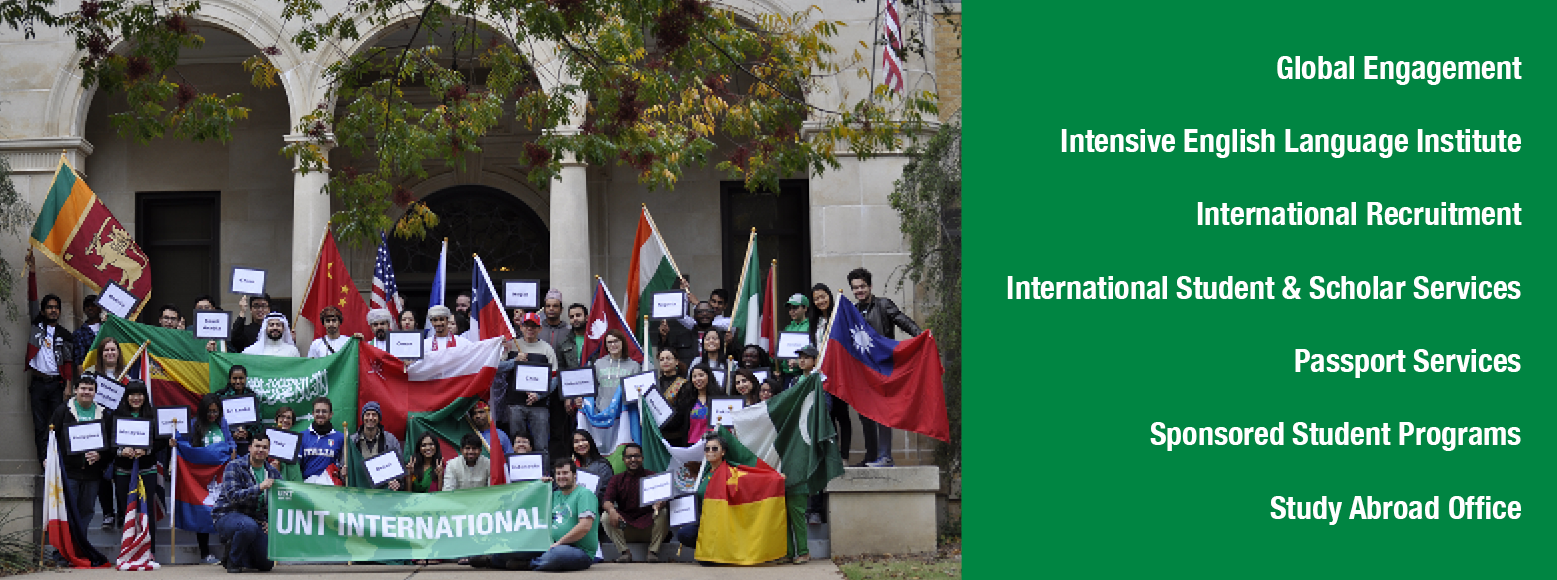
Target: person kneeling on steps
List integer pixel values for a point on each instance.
(240, 510)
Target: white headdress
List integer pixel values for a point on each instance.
(265, 345)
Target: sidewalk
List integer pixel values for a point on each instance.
(815, 570)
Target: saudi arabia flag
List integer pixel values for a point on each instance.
(792, 432)
(651, 270)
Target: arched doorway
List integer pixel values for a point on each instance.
(512, 240)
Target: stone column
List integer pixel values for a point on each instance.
(310, 215)
(570, 233)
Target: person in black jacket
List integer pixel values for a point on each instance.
(136, 405)
(884, 316)
(84, 471)
(247, 333)
(48, 366)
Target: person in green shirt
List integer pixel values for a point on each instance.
(286, 420)
(798, 322)
(574, 532)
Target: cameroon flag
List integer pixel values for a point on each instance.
(180, 370)
(743, 520)
(76, 231)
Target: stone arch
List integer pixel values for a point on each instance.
(511, 237)
(67, 112)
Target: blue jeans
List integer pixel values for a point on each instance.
(82, 495)
(247, 545)
(687, 535)
(533, 423)
(562, 559)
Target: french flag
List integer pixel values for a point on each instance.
(895, 383)
(487, 319)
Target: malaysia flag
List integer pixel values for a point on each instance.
(895, 383)
(487, 319)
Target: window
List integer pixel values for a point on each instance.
(783, 223)
(179, 232)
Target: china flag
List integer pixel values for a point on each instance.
(331, 285)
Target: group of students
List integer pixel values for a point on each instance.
(692, 355)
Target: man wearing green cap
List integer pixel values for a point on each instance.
(797, 323)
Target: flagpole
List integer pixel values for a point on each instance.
(657, 236)
(346, 477)
(740, 286)
(645, 346)
(773, 302)
(173, 496)
(45, 530)
(830, 319)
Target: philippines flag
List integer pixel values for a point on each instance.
(603, 316)
(386, 293)
(895, 383)
(63, 525)
(135, 545)
(487, 319)
(439, 286)
(197, 476)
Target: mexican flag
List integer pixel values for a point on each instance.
(651, 270)
(660, 457)
(746, 316)
(792, 431)
(294, 382)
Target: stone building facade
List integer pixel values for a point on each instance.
(202, 208)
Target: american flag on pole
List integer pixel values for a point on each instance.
(386, 294)
(892, 26)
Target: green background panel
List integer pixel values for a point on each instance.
(1069, 469)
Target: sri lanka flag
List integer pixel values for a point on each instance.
(743, 519)
(487, 319)
(76, 231)
(180, 371)
(897, 384)
(197, 475)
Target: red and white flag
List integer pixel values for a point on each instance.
(603, 316)
(135, 544)
(487, 318)
(65, 532)
(893, 30)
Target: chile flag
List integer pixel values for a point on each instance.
(895, 383)
(487, 319)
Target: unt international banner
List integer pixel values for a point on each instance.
(311, 523)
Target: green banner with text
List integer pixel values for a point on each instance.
(313, 523)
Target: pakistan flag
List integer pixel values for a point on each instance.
(295, 382)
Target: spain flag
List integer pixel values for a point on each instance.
(76, 231)
(743, 520)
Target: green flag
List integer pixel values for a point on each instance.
(793, 433)
(746, 316)
(295, 382)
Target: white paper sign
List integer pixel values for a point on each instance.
(84, 437)
(240, 410)
(761, 374)
(637, 385)
(578, 382)
(250, 281)
(654, 488)
(683, 510)
(719, 379)
(724, 410)
(283, 444)
(109, 393)
(118, 301)
(521, 294)
(171, 420)
(384, 467)
(789, 343)
(669, 305)
(132, 433)
(532, 378)
(525, 467)
(657, 402)
(406, 344)
(213, 325)
(588, 480)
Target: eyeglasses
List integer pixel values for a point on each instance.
(330, 319)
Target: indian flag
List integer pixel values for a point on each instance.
(651, 270)
(792, 431)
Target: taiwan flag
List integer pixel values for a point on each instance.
(897, 384)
